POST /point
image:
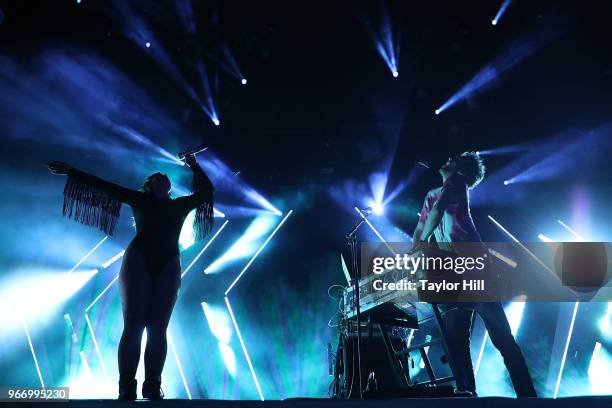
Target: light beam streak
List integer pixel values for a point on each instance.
(87, 254)
(178, 363)
(567, 343)
(113, 259)
(571, 230)
(204, 249)
(538, 260)
(244, 349)
(501, 12)
(375, 231)
(27, 331)
(95, 342)
(258, 252)
(481, 353)
(101, 293)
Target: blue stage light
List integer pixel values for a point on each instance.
(395, 74)
(513, 54)
(378, 208)
(437, 111)
(506, 182)
(147, 44)
(216, 121)
(244, 81)
(501, 11)
(544, 238)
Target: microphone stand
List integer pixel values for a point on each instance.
(352, 242)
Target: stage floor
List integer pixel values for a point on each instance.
(590, 402)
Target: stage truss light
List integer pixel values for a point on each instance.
(243, 81)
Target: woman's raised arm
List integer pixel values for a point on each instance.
(91, 200)
(201, 199)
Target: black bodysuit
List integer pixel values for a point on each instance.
(96, 202)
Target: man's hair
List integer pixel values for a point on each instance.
(472, 167)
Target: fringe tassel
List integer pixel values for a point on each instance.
(204, 219)
(90, 205)
(203, 222)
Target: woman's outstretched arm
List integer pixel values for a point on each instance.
(91, 200)
(201, 199)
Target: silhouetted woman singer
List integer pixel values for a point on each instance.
(150, 274)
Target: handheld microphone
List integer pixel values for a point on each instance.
(195, 150)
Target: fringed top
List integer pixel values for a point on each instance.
(93, 201)
(96, 202)
(203, 192)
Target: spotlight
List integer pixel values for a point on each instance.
(506, 182)
(244, 81)
(147, 44)
(378, 208)
(216, 122)
(494, 22)
(544, 238)
(437, 111)
(395, 74)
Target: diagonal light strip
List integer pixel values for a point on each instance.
(95, 342)
(258, 252)
(375, 231)
(574, 233)
(101, 293)
(178, 363)
(87, 254)
(498, 225)
(244, 350)
(481, 352)
(204, 249)
(27, 331)
(113, 259)
(567, 343)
